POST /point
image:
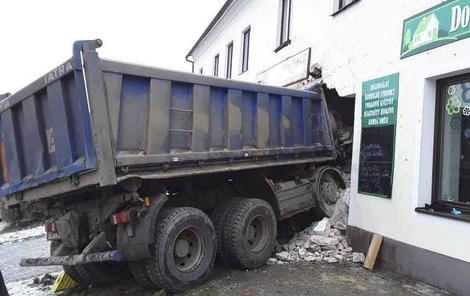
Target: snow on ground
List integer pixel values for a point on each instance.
(26, 288)
(16, 236)
(15, 245)
(3, 225)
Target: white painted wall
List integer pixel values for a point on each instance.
(358, 44)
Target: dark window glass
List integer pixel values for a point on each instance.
(285, 21)
(201, 70)
(246, 49)
(228, 71)
(216, 65)
(340, 4)
(453, 141)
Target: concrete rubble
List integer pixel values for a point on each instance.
(322, 241)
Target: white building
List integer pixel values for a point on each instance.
(354, 41)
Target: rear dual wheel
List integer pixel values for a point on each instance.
(183, 253)
(100, 273)
(69, 270)
(246, 232)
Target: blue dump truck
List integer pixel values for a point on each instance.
(154, 173)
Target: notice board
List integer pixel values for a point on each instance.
(377, 150)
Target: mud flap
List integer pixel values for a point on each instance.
(68, 227)
(134, 243)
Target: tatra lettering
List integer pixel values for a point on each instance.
(58, 72)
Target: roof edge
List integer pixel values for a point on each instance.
(211, 26)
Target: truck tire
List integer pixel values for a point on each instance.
(94, 273)
(102, 273)
(218, 217)
(184, 250)
(249, 234)
(70, 270)
(327, 183)
(140, 274)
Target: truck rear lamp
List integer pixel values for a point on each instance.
(50, 227)
(119, 218)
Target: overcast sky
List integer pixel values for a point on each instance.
(36, 36)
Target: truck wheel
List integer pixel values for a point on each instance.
(70, 270)
(250, 233)
(140, 274)
(218, 217)
(327, 183)
(184, 250)
(102, 273)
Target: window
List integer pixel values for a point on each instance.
(339, 5)
(245, 49)
(216, 65)
(201, 70)
(284, 24)
(228, 70)
(452, 142)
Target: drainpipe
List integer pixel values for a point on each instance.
(192, 63)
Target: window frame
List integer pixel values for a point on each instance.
(438, 137)
(283, 23)
(229, 60)
(245, 50)
(345, 4)
(215, 70)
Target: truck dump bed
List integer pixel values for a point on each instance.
(94, 122)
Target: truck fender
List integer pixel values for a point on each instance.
(133, 239)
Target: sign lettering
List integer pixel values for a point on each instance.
(440, 25)
(379, 117)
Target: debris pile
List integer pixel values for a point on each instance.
(322, 241)
(46, 280)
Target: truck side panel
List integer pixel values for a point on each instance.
(163, 117)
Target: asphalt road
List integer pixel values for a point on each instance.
(296, 279)
(277, 279)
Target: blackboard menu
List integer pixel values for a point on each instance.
(379, 109)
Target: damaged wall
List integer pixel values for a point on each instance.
(358, 44)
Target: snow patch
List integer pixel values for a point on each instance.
(3, 225)
(16, 236)
(27, 288)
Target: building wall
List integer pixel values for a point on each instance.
(358, 44)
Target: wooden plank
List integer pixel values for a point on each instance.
(374, 248)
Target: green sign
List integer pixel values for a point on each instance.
(377, 149)
(437, 26)
(380, 101)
